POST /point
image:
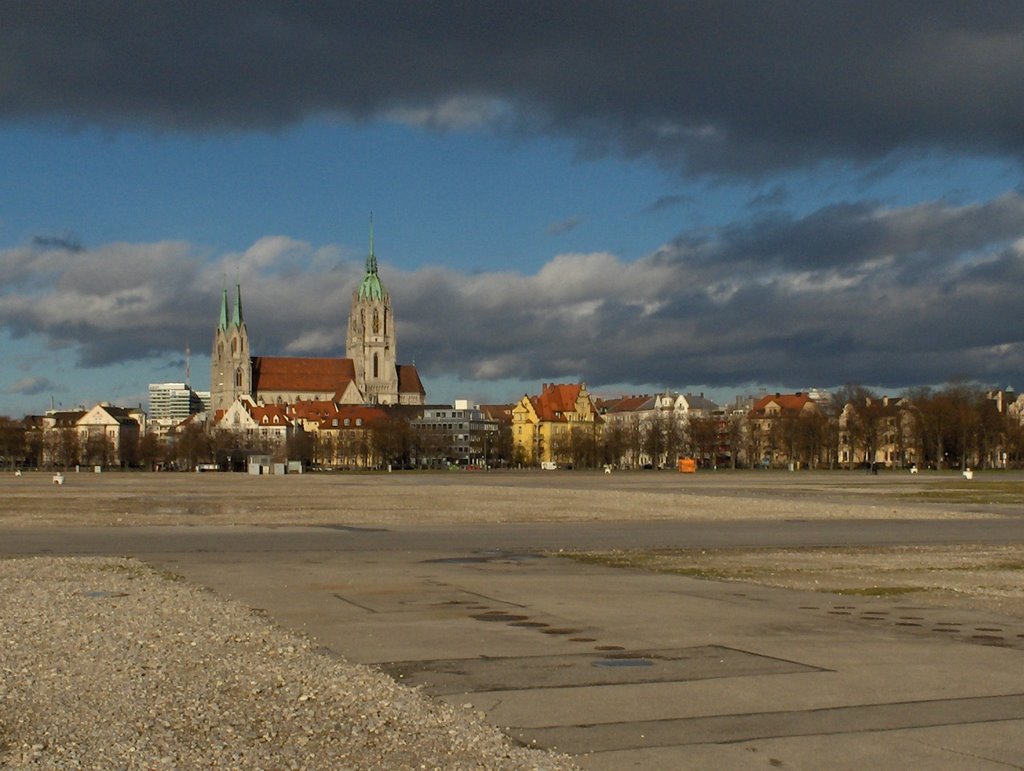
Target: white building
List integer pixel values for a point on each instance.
(173, 402)
(460, 434)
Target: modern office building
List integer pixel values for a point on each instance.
(173, 402)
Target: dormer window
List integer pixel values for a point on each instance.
(348, 421)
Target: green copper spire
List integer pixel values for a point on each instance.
(371, 288)
(223, 323)
(236, 319)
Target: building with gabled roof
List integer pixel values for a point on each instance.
(500, 413)
(344, 437)
(103, 435)
(623, 404)
(776, 423)
(656, 429)
(544, 427)
(267, 425)
(776, 405)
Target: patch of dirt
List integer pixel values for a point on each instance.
(962, 575)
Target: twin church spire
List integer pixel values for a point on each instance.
(236, 316)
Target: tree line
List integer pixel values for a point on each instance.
(955, 426)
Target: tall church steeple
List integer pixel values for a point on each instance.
(370, 341)
(230, 362)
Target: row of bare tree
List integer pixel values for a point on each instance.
(955, 426)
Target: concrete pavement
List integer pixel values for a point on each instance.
(628, 669)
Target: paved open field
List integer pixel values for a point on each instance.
(369, 562)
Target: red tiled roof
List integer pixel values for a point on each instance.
(368, 415)
(312, 410)
(292, 373)
(555, 400)
(409, 380)
(269, 414)
(629, 403)
(788, 402)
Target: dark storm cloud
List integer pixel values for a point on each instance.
(847, 235)
(724, 87)
(32, 385)
(872, 314)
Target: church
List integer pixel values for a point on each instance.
(369, 374)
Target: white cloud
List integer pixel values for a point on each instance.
(881, 312)
(457, 113)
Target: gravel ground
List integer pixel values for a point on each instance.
(126, 500)
(105, 664)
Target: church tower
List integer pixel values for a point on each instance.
(230, 365)
(370, 341)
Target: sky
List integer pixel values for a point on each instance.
(720, 197)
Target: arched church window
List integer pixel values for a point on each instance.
(234, 345)
(362, 319)
(376, 373)
(238, 377)
(376, 322)
(385, 322)
(220, 350)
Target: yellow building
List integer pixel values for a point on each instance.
(558, 426)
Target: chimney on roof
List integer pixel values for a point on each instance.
(799, 393)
